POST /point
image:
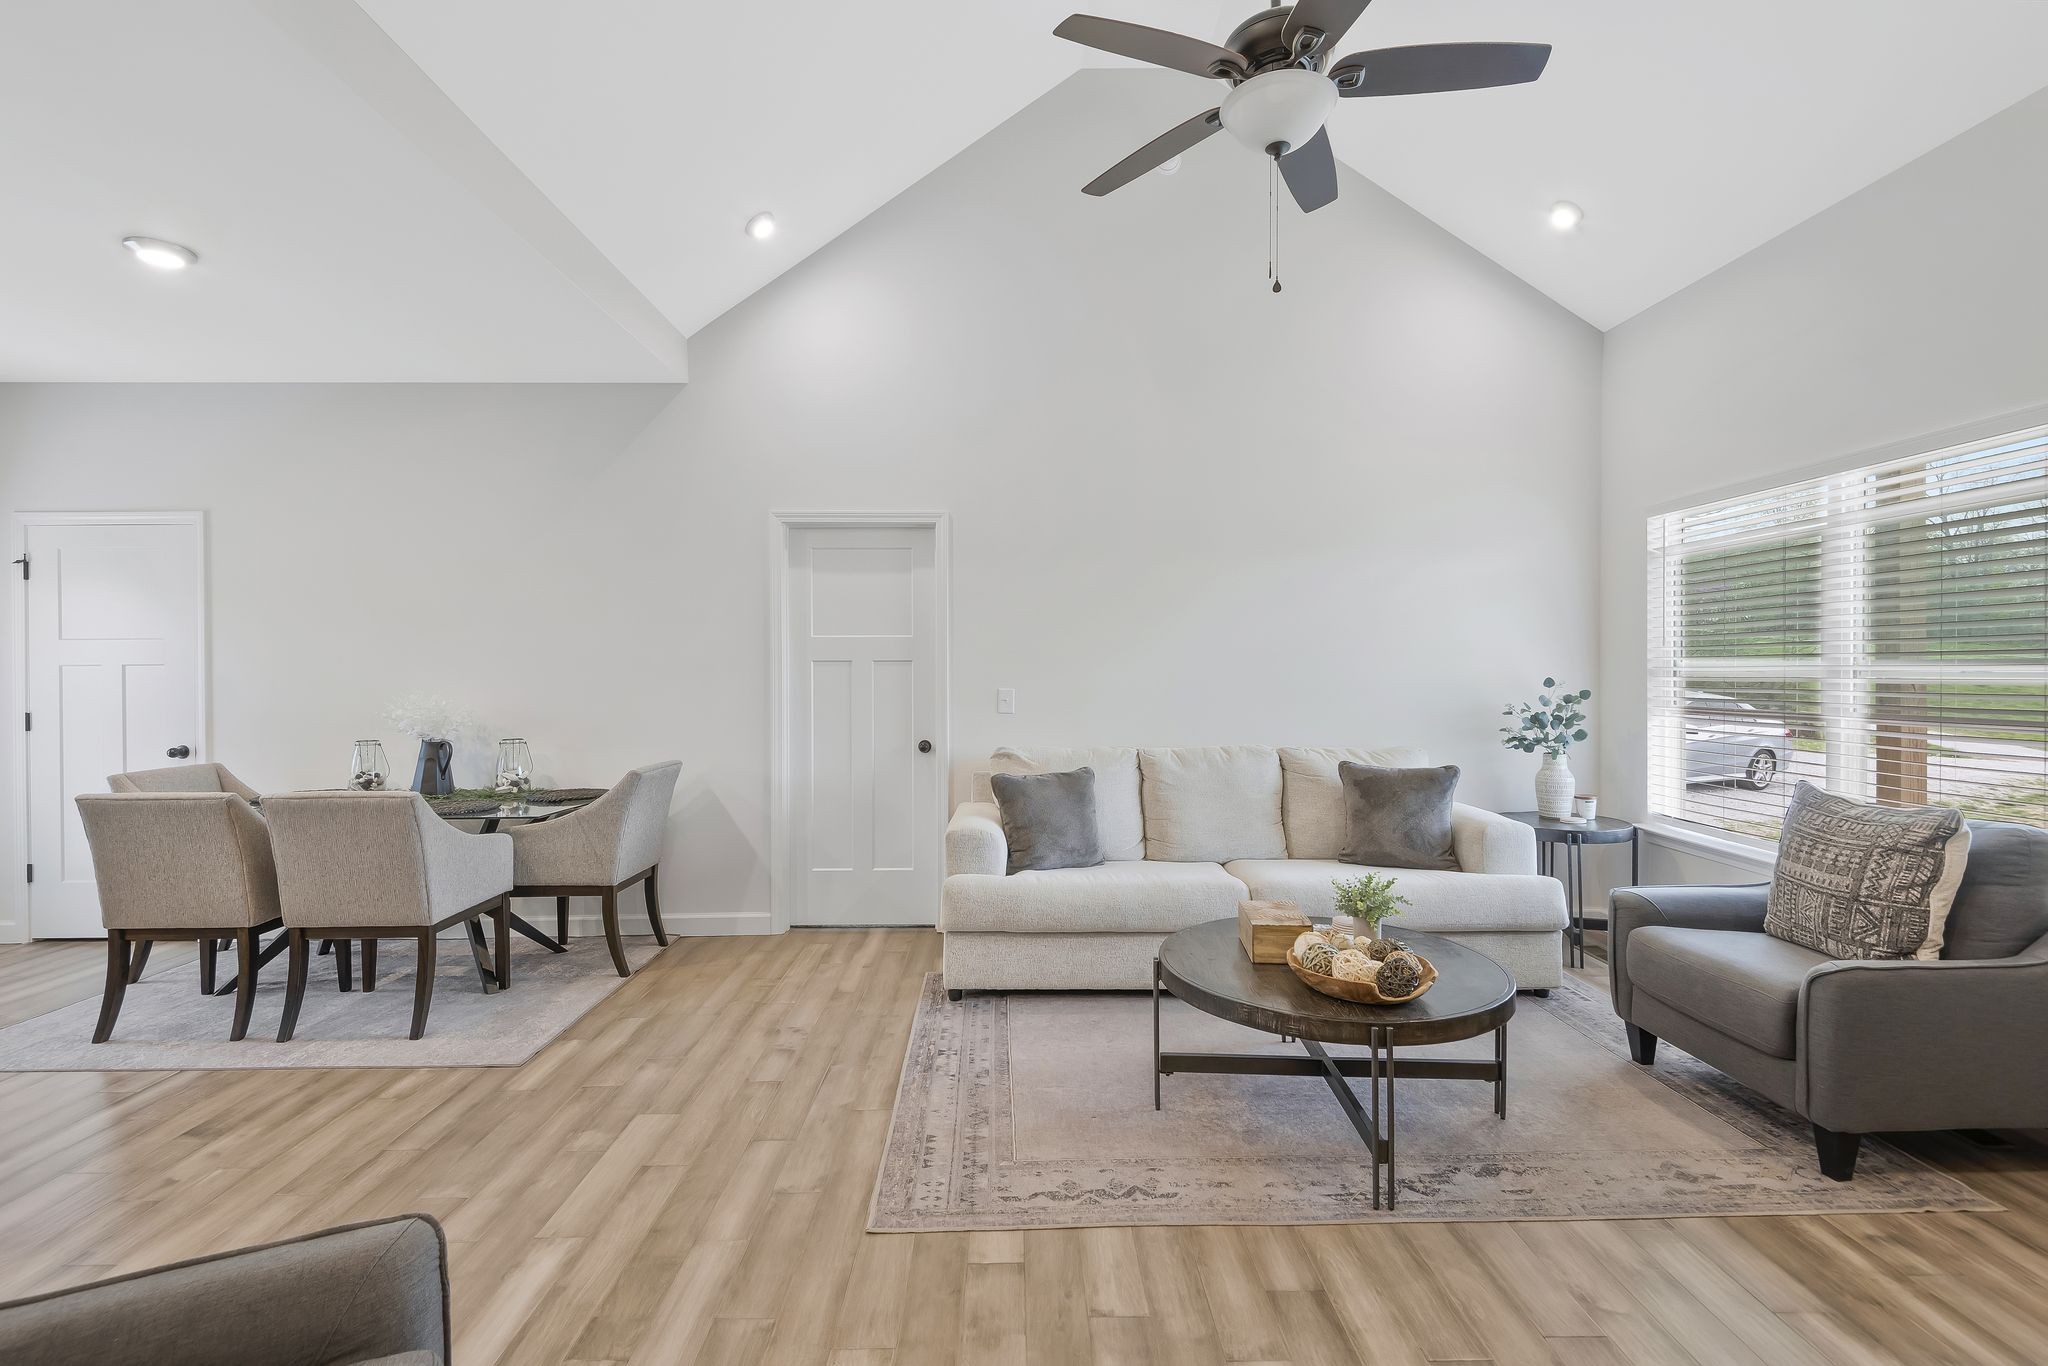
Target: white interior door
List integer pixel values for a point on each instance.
(867, 823)
(111, 657)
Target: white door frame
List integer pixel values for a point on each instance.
(14, 928)
(780, 525)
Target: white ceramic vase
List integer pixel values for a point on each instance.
(1555, 788)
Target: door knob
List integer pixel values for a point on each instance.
(924, 747)
(178, 752)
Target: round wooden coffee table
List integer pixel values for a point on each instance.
(1206, 967)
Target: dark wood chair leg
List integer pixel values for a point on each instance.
(117, 985)
(245, 982)
(423, 984)
(141, 959)
(294, 984)
(503, 915)
(611, 932)
(1837, 1153)
(326, 947)
(369, 965)
(562, 921)
(953, 994)
(208, 952)
(344, 962)
(1642, 1044)
(654, 907)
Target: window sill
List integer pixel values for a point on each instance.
(1724, 845)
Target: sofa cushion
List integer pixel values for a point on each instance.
(1398, 817)
(2002, 906)
(1127, 898)
(1439, 902)
(1212, 805)
(1312, 800)
(1860, 881)
(1048, 819)
(1745, 985)
(1119, 816)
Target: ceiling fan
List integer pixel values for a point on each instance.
(1283, 86)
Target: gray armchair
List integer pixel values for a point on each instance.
(373, 1294)
(600, 851)
(1854, 1046)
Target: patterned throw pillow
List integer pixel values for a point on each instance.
(1856, 881)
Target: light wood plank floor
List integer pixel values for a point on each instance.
(685, 1177)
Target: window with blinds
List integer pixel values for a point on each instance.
(1881, 633)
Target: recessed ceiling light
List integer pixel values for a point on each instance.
(162, 255)
(761, 226)
(1566, 216)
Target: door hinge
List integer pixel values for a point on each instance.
(31, 872)
(28, 720)
(23, 562)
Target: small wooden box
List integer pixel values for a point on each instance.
(1268, 929)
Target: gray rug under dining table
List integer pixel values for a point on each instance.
(1034, 1110)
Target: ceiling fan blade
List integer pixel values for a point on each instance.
(1157, 152)
(1331, 18)
(1311, 172)
(1432, 67)
(1175, 51)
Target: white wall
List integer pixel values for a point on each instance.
(1185, 510)
(1906, 311)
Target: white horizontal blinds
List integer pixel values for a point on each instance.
(1882, 633)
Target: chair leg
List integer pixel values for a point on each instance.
(423, 984)
(369, 965)
(654, 907)
(117, 985)
(142, 947)
(344, 963)
(326, 947)
(611, 932)
(562, 921)
(294, 984)
(209, 950)
(1837, 1153)
(503, 915)
(245, 981)
(1642, 1044)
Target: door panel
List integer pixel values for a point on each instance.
(112, 661)
(868, 827)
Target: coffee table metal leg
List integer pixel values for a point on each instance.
(1390, 1119)
(1373, 1140)
(1500, 1080)
(1155, 1033)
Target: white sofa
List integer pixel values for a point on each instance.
(1187, 834)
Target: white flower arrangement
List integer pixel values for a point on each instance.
(426, 717)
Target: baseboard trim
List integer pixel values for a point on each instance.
(634, 921)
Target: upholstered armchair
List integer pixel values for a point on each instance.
(600, 851)
(372, 1294)
(1854, 1046)
(191, 866)
(182, 778)
(382, 865)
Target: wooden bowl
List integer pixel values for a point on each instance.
(1363, 993)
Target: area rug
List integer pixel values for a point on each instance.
(1034, 1110)
(166, 1024)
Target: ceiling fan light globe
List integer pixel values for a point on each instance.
(1284, 107)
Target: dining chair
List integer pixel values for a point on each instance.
(600, 851)
(382, 865)
(182, 778)
(179, 866)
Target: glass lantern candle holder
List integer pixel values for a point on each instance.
(515, 767)
(368, 767)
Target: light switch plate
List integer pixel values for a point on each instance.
(1006, 701)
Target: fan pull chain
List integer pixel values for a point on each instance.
(1273, 222)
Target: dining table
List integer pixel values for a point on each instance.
(491, 814)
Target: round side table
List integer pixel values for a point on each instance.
(1574, 836)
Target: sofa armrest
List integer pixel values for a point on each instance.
(975, 842)
(1697, 908)
(356, 1293)
(1487, 842)
(1942, 1044)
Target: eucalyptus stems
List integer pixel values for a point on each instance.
(1552, 724)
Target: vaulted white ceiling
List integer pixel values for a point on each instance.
(524, 189)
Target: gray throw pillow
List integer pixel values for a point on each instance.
(1048, 819)
(1398, 817)
(1859, 881)
(2002, 905)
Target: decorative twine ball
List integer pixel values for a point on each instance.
(1316, 956)
(1400, 975)
(1353, 966)
(1304, 939)
(1336, 939)
(1380, 950)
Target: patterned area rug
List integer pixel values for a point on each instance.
(166, 1024)
(1034, 1110)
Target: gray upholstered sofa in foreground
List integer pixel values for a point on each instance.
(372, 1294)
(1854, 1047)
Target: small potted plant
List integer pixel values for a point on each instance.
(1368, 900)
(1549, 726)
